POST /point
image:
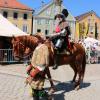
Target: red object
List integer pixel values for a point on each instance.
(29, 68)
(57, 29)
(33, 72)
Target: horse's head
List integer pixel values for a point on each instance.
(18, 48)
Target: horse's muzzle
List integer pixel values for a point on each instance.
(17, 58)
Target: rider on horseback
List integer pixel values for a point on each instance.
(62, 31)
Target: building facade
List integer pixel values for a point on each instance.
(44, 20)
(19, 14)
(88, 24)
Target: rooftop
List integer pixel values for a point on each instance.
(80, 17)
(14, 4)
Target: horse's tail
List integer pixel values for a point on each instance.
(84, 64)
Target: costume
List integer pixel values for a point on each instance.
(64, 31)
(36, 70)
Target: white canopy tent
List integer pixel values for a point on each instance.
(7, 29)
(91, 41)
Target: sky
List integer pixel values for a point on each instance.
(75, 7)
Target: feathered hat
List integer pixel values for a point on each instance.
(62, 15)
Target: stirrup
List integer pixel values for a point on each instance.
(55, 67)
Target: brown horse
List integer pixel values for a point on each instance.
(76, 60)
(25, 45)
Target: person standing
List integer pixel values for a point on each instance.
(37, 70)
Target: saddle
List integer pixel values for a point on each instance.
(67, 50)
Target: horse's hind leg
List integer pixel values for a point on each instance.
(79, 70)
(75, 72)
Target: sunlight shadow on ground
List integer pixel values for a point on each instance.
(64, 87)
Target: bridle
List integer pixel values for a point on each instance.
(21, 45)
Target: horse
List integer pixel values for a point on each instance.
(77, 60)
(25, 45)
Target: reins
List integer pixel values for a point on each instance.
(25, 56)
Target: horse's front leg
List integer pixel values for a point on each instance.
(52, 88)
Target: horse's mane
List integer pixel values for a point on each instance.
(29, 40)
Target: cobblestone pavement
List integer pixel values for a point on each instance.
(12, 85)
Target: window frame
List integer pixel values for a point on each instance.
(24, 16)
(25, 28)
(5, 13)
(15, 15)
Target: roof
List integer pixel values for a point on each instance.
(82, 16)
(7, 29)
(14, 4)
(42, 8)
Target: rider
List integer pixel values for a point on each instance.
(62, 31)
(36, 70)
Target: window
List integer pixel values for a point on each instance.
(39, 22)
(5, 14)
(47, 21)
(48, 12)
(25, 28)
(91, 29)
(25, 16)
(15, 15)
(38, 30)
(46, 32)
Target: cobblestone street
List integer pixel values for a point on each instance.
(12, 85)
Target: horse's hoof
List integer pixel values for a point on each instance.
(52, 90)
(77, 88)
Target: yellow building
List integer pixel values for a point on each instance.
(19, 14)
(88, 24)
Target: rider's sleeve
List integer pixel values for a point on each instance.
(68, 30)
(63, 32)
(54, 35)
